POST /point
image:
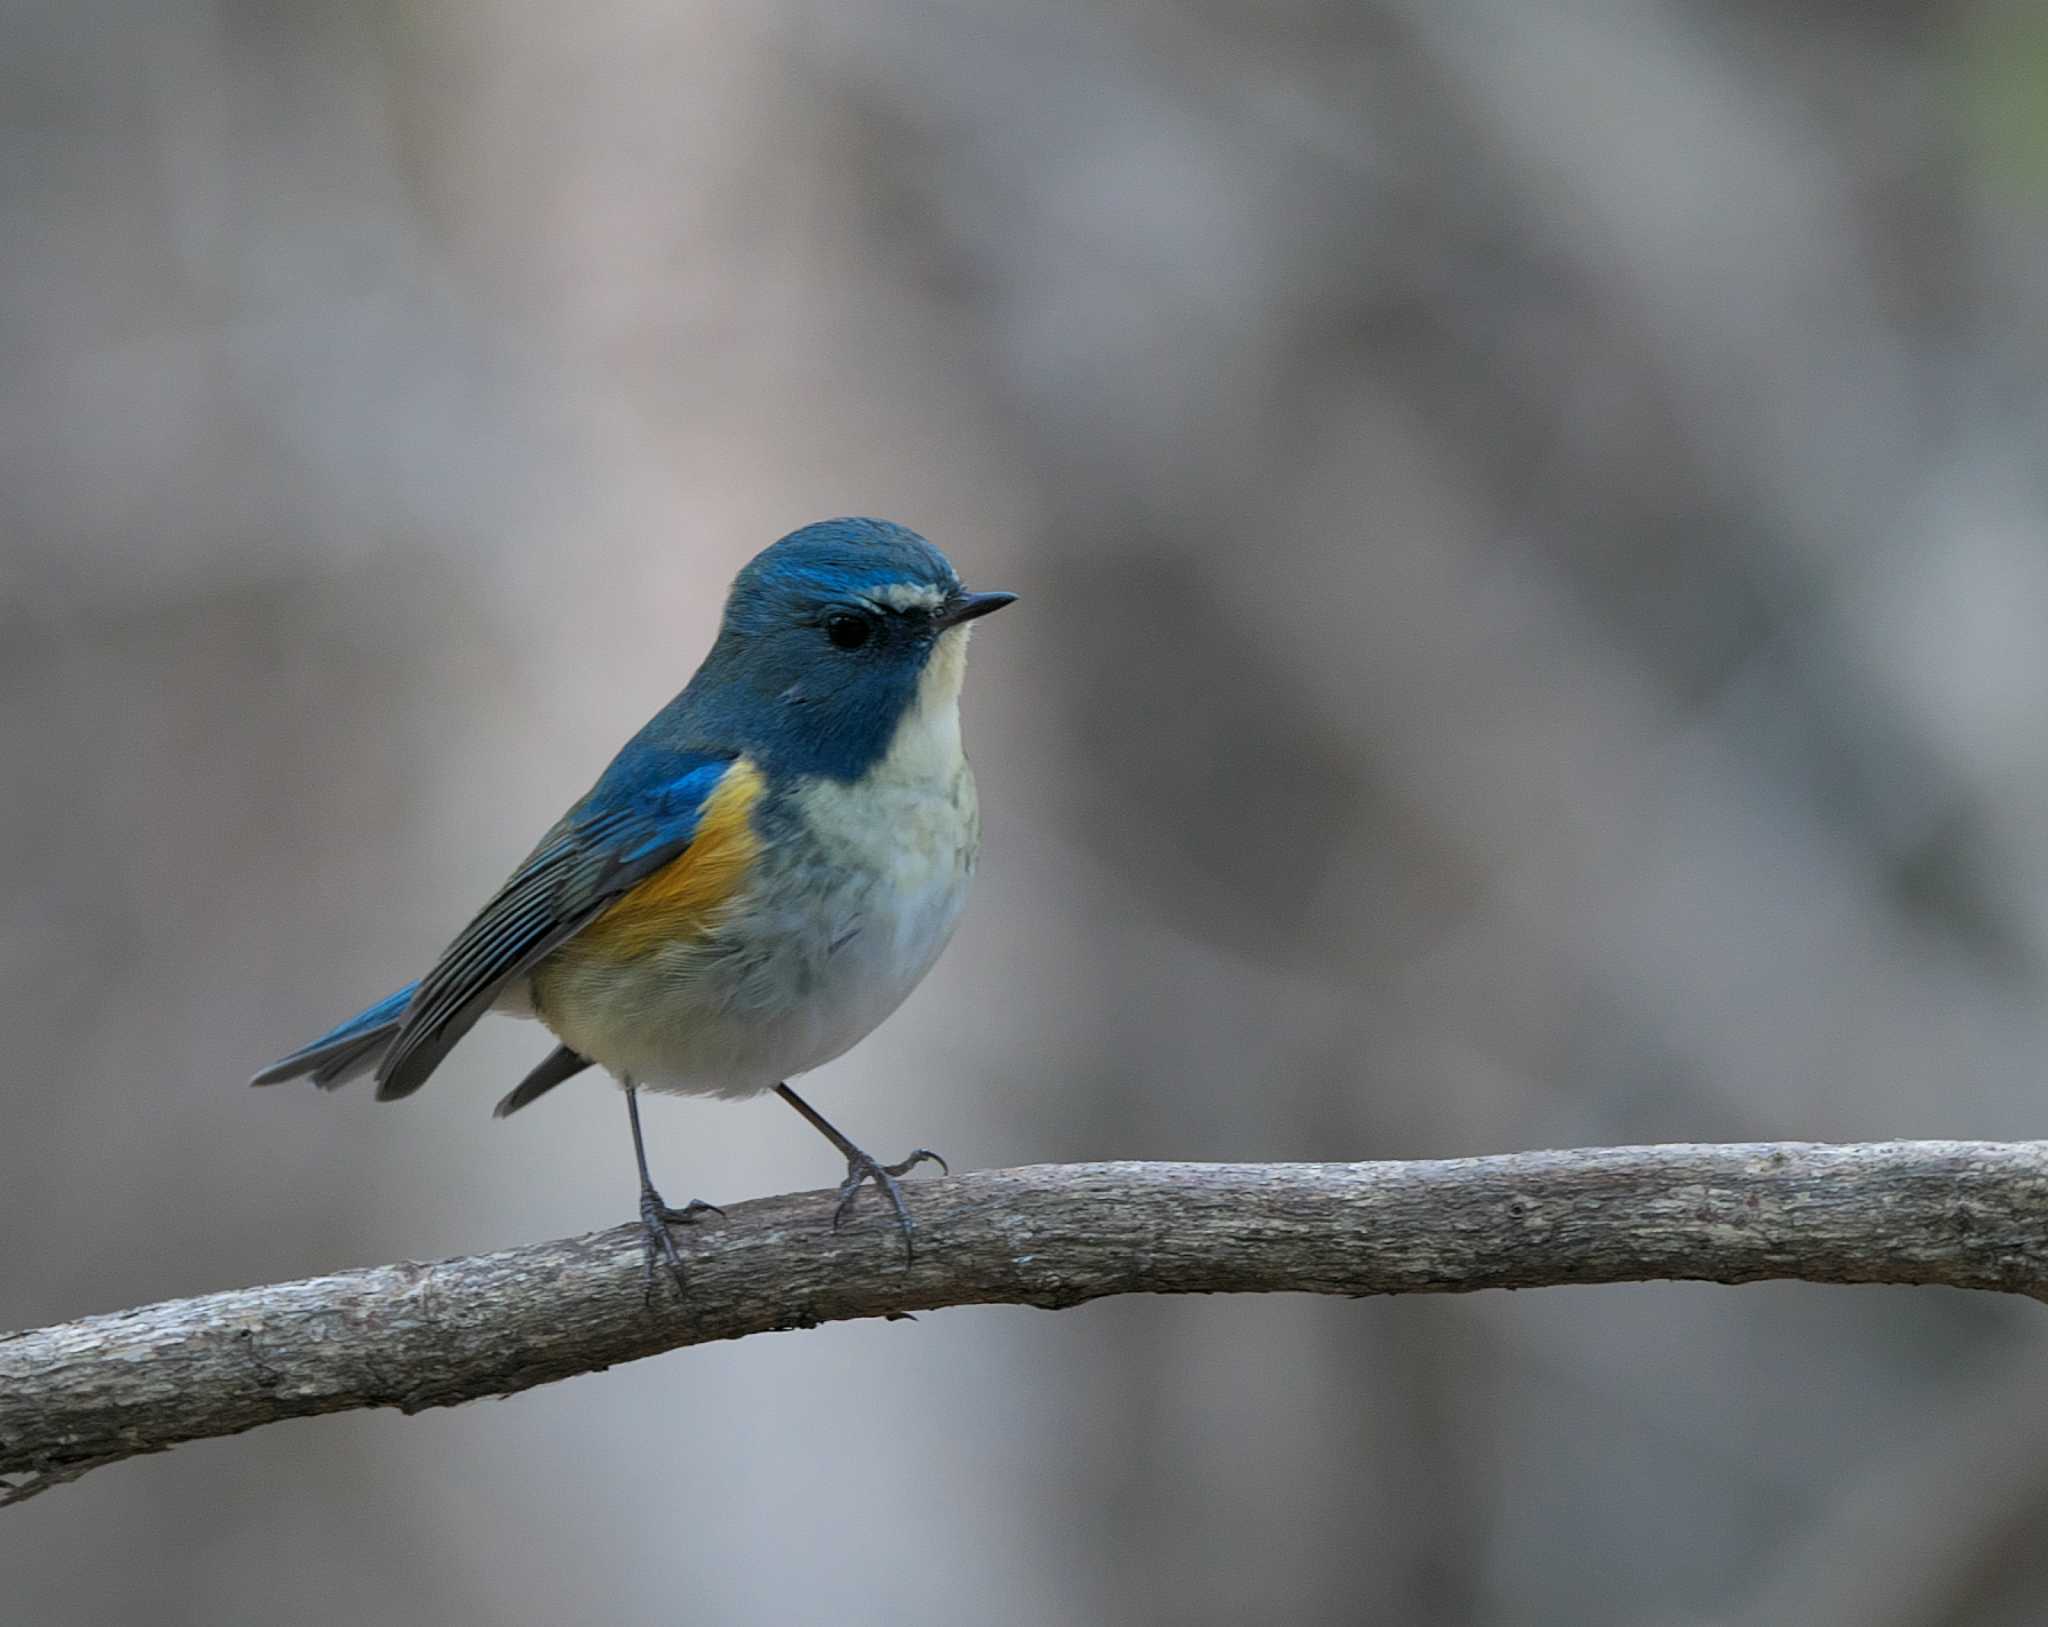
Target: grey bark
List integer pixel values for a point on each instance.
(87, 1393)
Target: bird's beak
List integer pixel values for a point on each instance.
(971, 606)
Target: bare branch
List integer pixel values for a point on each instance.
(1967, 1214)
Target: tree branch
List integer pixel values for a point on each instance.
(1967, 1214)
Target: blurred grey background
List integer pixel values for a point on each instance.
(1531, 524)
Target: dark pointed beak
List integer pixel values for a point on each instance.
(972, 606)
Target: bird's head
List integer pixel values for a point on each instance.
(833, 640)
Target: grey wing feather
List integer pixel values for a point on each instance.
(570, 879)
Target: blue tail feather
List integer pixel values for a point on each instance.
(343, 1053)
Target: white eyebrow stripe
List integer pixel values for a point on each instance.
(911, 596)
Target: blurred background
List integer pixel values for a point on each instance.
(1531, 527)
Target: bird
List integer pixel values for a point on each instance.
(756, 881)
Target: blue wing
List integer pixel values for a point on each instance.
(639, 817)
(623, 832)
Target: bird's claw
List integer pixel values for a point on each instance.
(655, 1219)
(861, 1169)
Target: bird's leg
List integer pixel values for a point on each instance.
(656, 1216)
(860, 1169)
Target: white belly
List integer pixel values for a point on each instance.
(837, 929)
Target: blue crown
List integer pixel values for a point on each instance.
(835, 559)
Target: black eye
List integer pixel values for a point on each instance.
(847, 631)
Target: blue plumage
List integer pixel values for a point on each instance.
(831, 561)
(627, 827)
(796, 703)
(346, 1050)
(856, 835)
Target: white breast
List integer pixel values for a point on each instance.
(830, 938)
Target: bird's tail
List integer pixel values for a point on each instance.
(346, 1052)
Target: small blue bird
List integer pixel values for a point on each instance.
(760, 877)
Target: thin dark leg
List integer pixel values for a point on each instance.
(656, 1216)
(860, 1169)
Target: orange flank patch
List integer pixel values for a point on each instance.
(678, 900)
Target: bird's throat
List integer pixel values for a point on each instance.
(925, 748)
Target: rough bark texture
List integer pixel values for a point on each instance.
(1966, 1214)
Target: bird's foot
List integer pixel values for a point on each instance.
(655, 1219)
(861, 1169)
